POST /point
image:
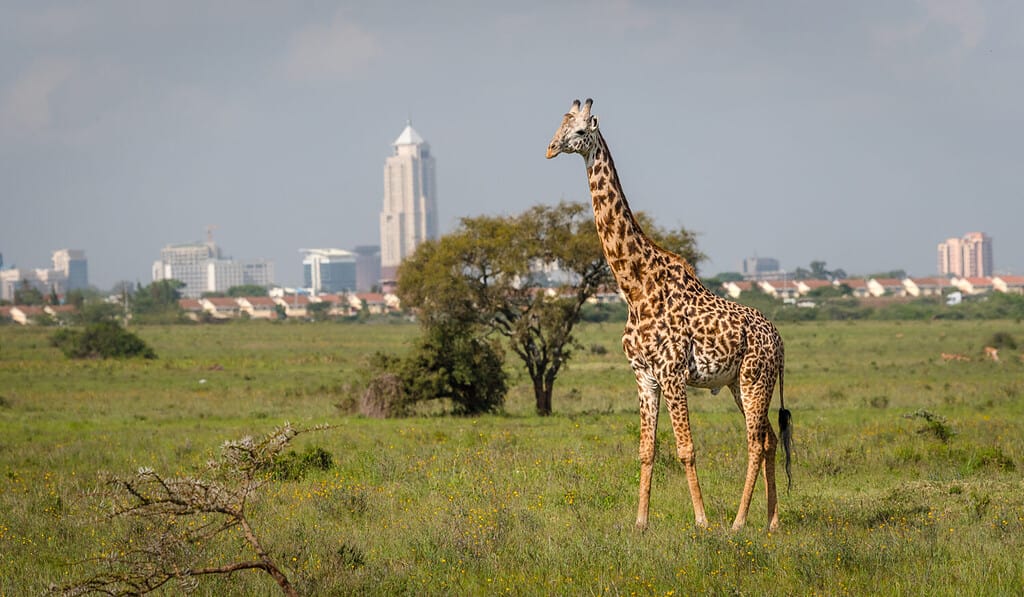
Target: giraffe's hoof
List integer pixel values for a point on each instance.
(641, 526)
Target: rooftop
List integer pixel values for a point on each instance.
(409, 136)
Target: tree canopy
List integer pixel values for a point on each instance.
(158, 301)
(524, 277)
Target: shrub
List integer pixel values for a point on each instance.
(934, 425)
(103, 340)
(292, 466)
(1002, 340)
(447, 362)
(384, 396)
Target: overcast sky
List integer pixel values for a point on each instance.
(858, 133)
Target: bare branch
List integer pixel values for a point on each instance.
(164, 549)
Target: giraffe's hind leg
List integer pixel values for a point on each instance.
(761, 447)
(649, 395)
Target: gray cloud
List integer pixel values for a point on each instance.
(857, 133)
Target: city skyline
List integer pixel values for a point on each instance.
(858, 134)
(966, 257)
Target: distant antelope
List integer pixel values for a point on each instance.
(946, 356)
(992, 353)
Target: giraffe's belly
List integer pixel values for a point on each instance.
(708, 369)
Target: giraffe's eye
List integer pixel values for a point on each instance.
(579, 132)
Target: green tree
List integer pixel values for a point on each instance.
(523, 277)
(101, 339)
(27, 294)
(247, 290)
(319, 311)
(75, 298)
(898, 274)
(158, 301)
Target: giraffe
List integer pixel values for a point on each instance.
(680, 334)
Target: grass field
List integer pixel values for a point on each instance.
(883, 501)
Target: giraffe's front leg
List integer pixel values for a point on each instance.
(649, 395)
(675, 398)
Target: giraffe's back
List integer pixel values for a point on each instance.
(684, 329)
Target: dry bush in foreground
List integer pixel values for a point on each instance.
(174, 519)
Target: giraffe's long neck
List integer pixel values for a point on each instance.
(626, 247)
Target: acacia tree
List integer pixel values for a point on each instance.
(524, 277)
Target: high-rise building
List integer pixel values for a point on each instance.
(223, 274)
(75, 267)
(966, 257)
(186, 263)
(69, 272)
(201, 268)
(367, 267)
(409, 215)
(760, 268)
(329, 270)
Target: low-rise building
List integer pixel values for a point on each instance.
(886, 287)
(973, 285)
(1009, 284)
(918, 287)
(220, 307)
(258, 307)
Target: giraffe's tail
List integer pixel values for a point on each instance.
(785, 428)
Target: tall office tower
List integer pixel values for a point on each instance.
(74, 266)
(223, 274)
(967, 257)
(328, 270)
(367, 267)
(760, 268)
(188, 264)
(409, 216)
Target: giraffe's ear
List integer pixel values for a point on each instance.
(593, 123)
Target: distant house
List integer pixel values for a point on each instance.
(60, 312)
(340, 306)
(886, 287)
(805, 287)
(858, 286)
(373, 302)
(1009, 284)
(258, 307)
(784, 289)
(973, 285)
(393, 303)
(192, 307)
(295, 305)
(220, 307)
(26, 315)
(735, 289)
(918, 287)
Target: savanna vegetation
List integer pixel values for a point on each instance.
(907, 477)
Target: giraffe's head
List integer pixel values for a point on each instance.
(577, 133)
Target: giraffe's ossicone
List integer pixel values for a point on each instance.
(680, 334)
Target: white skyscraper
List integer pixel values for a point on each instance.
(409, 215)
(201, 268)
(73, 264)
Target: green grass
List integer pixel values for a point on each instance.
(882, 503)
